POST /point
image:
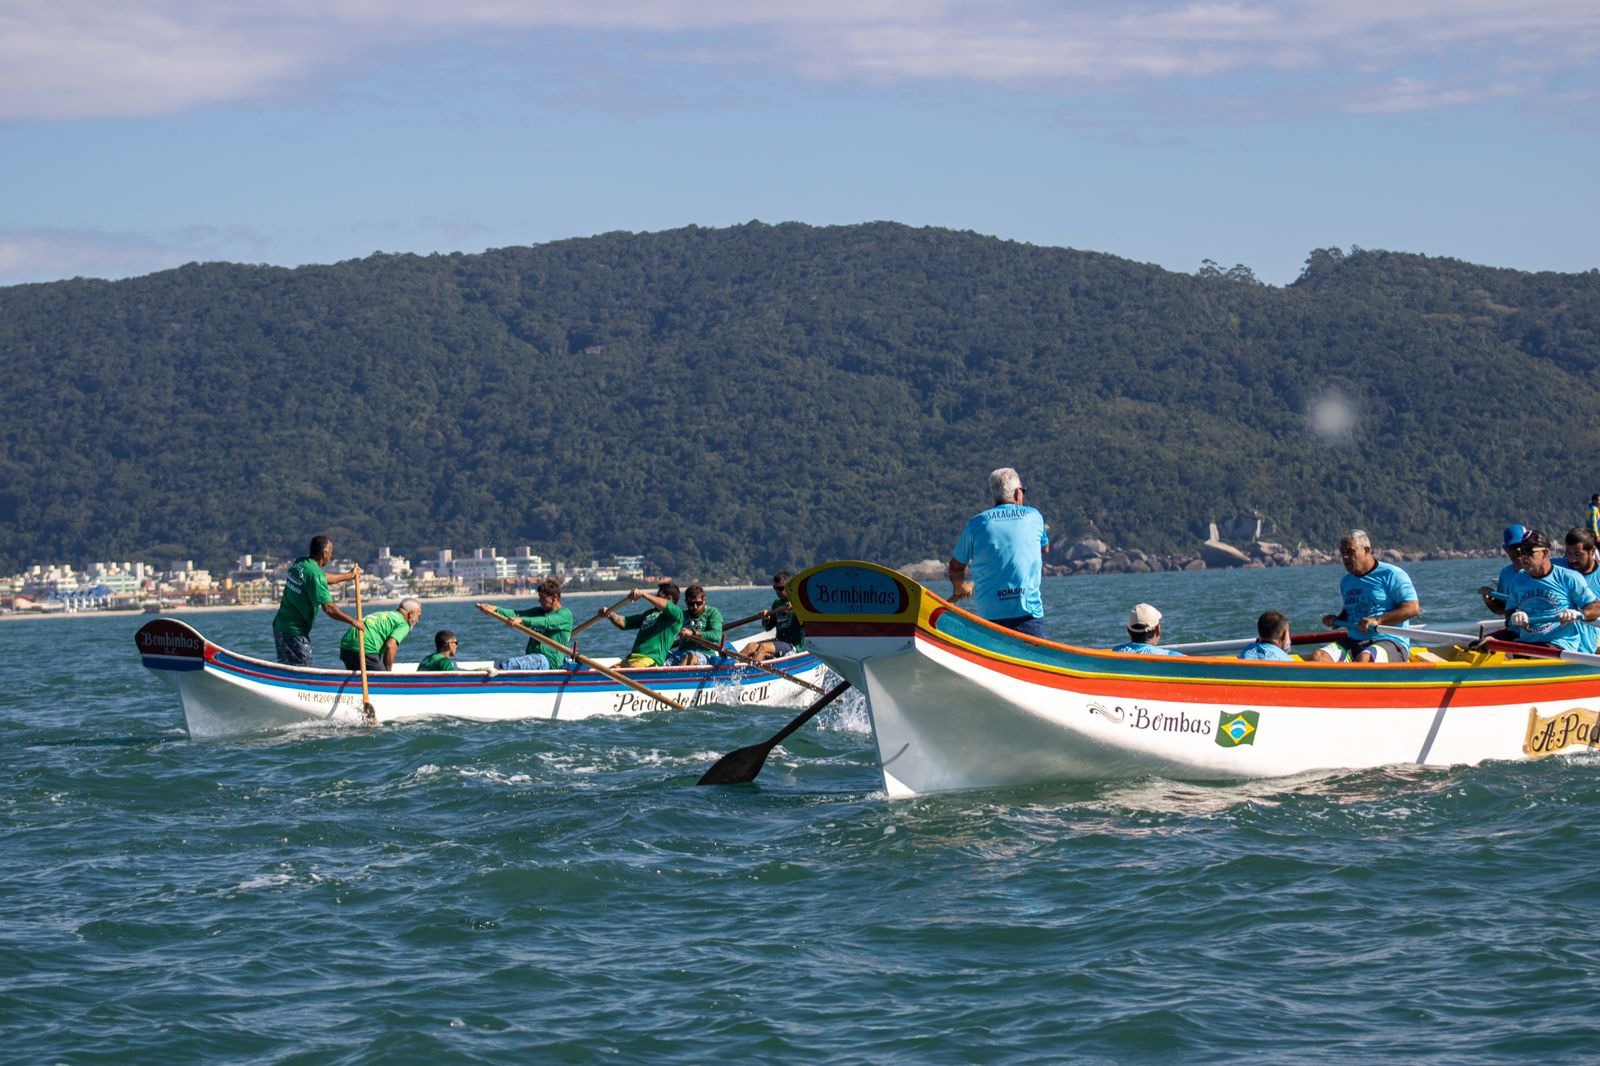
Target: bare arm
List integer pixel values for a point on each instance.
(333, 611)
(960, 580)
(348, 575)
(1392, 617)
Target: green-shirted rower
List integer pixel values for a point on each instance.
(701, 621)
(657, 628)
(444, 653)
(306, 590)
(550, 619)
(381, 638)
(788, 634)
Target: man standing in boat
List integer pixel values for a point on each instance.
(1375, 594)
(1547, 604)
(304, 592)
(657, 627)
(550, 619)
(998, 562)
(380, 638)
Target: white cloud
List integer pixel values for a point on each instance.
(80, 58)
(41, 253)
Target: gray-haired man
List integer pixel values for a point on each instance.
(998, 561)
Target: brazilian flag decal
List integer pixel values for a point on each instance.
(1234, 729)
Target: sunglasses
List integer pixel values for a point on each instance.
(1527, 552)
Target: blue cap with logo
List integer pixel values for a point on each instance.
(1515, 534)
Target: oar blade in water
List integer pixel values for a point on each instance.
(738, 767)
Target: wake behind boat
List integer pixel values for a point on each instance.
(957, 702)
(225, 693)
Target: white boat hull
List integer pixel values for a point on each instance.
(957, 703)
(226, 694)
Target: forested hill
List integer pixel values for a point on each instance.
(741, 399)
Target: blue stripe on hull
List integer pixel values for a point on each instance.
(666, 680)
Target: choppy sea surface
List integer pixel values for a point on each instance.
(564, 892)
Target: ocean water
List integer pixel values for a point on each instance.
(563, 892)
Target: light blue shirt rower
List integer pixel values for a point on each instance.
(1495, 598)
(1549, 604)
(1374, 594)
(1272, 639)
(1144, 633)
(1582, 557)
(998, 561)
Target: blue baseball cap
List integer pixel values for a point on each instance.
(1515, 534)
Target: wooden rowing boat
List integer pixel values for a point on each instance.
(956, 702)
(225, 693)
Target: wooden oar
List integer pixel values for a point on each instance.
(600, 615)
(748, 661)
(743, 621)
(368, 713)
(1209, 646)
(737, 767)
(584, 659)
(1541, 651)
(1437, 638)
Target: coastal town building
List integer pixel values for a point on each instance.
(258, 579)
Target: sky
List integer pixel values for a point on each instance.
(139, 135)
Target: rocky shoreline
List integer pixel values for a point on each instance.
(1093, 556)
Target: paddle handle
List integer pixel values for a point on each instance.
(743, 621)
(748, 661)
(367, 711)
(1316, 638)
(584, 659)
(809, 713)
(601, 615)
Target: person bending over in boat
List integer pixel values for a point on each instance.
(1375, 594)
(1583, 557)
(998, 561)
(658, 627)
(1547, 604)
(444, 652)
(304, 592)
(380, 638)
(549, 618)
(788, 634)
(1272, 638)
(700, 621)
(1144, 632)
(1494, 598)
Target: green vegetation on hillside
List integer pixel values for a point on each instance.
(731, 401)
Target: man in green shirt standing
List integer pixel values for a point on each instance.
(658, 627)
(550, 619)
(304, 592)
(700, 621)
(380, 638)
(444, 653)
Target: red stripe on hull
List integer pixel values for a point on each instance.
(1309, 694)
